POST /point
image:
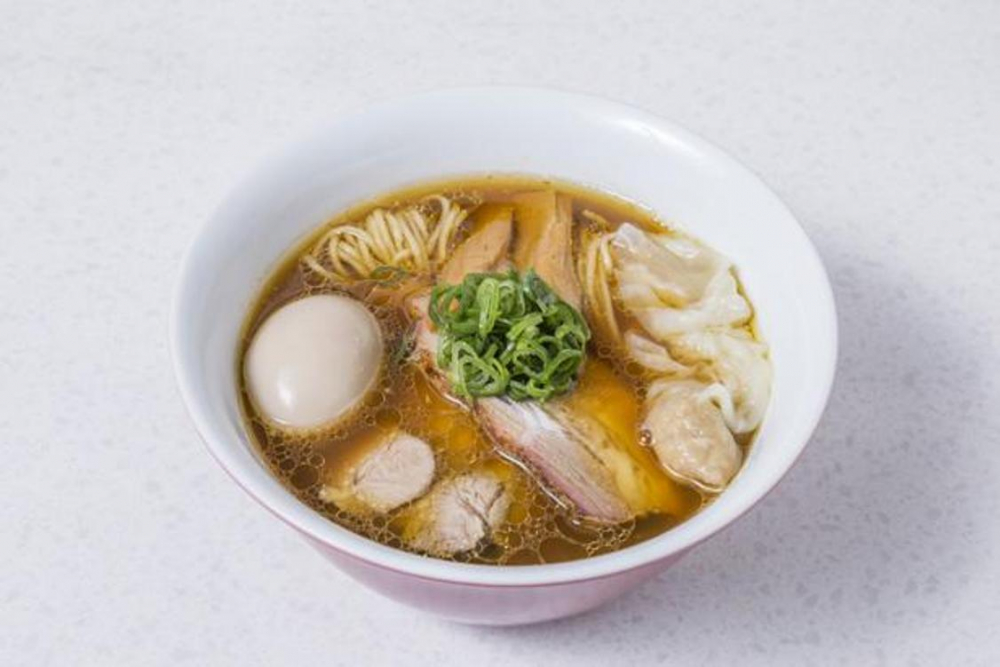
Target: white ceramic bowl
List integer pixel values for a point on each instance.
(572, 137)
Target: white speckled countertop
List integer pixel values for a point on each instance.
(123, 123)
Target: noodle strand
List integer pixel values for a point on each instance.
(412, 239)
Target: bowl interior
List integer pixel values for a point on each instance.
(600, 144)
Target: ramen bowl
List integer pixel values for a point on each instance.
(595, 143)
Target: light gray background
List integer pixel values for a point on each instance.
(123, 123)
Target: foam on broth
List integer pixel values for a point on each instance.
(539, 527)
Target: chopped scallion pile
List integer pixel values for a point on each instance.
(505, 334)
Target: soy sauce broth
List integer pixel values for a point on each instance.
(540, 527)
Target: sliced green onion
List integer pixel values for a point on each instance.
(504, 334)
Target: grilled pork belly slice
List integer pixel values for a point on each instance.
(545, 441)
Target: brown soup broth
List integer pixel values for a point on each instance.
(539, 527)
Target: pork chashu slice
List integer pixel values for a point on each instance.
(546, 442)
(398, 470)
(457, 514)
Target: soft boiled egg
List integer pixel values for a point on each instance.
(313, 360)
